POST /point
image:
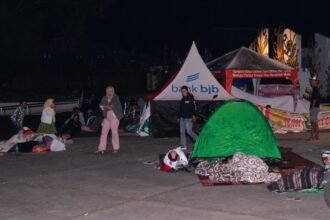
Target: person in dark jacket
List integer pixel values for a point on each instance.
(314, 108)
(112, 113)
(186, 116)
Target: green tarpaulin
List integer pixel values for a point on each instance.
(236, 126)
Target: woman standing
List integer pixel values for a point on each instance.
(47, 124)
(186, 116)
(112, 113)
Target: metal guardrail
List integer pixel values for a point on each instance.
(7, 110)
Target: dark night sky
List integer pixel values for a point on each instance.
(216, 24)
(31, 28)
(150, 25)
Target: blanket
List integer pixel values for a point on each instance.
(298, 179)
(55, 143)
(242, 169)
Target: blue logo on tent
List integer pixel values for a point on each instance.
(192, 77)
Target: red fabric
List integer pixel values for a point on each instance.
(28, 132)
(165, 168)
(38, 149)
(228, 80)
(294, 79)
(48, 144)
(267, 113)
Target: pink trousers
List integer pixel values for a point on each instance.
(111, 122)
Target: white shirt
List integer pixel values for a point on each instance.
(181, 162)
(48, 115)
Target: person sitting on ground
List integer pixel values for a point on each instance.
(78, 116)
(176, 159)
(76, 123)
(93, 121)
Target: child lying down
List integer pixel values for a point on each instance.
(175, 159)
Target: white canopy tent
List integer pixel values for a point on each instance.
(200, 81)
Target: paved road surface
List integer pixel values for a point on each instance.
(77, 184)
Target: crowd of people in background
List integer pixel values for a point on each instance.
(112, 113)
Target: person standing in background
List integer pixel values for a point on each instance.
(112, 113)
(17, 117)
(314, 108)
(186, 116)
(47, 124)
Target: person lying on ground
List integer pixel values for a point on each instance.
(176, 159)
(51, 141)
(241, 168)
(24, 135)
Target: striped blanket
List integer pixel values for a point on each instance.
(298, 179)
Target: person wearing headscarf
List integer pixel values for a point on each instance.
(47, 124)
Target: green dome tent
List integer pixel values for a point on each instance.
(236, 126)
